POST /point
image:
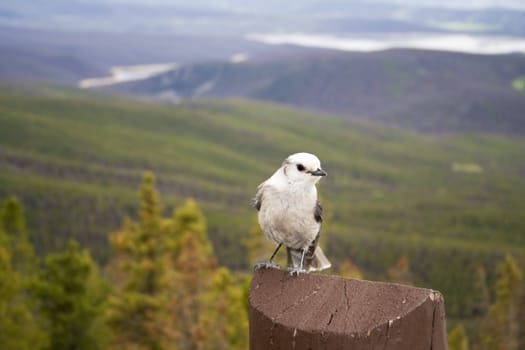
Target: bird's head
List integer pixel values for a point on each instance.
(303, 167)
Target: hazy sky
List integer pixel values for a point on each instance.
(472, 4)
(231, 17)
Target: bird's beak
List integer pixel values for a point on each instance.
(318, 172)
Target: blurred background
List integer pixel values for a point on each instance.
(133, 135)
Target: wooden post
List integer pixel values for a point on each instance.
(312, 311)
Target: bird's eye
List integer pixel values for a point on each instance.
(300, 167)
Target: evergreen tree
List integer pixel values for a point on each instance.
(189, 218)
(71, 296)
(224, 316)
(171, 294)
(12, 222)
(457, 338)
(209, 303)
(19, 328)
(500, 327)
(12, 218)
(194, 270)
(137, 312)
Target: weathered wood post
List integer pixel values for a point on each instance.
(313, 312)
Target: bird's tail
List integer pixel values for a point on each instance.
(312, 262)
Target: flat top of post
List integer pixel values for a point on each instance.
(322, 303)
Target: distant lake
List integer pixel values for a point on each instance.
(468, 43)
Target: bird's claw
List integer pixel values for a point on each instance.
(265, 265)
(296, 271)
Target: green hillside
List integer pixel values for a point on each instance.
(448, 203)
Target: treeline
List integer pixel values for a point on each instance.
(499, 320)
(162, 288)
(462, 273)
(502, 326)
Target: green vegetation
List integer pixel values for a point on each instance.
(501, 328)
(19, 326)
(519, 84)
(457, 339)
(467, 168)
(165, 291)
(75, 161)
(138, 311)
(172, 295)
(71, 293)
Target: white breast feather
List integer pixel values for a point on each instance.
(287, 213)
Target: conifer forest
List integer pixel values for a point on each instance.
(127, 224)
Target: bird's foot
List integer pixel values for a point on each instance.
(266, 265)
(295, 271)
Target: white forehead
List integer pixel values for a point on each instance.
(308, 160)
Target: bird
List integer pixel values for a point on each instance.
(290, 214)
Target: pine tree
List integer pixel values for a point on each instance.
(209, 303)
(189, 218)
(19, 328)
(12, 218)
(169, 286)
(138, 311)
(194, 267)
(12, 222)
(500, 327)
(224, 316)
(71, 296)
(457, 338)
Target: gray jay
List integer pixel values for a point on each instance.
(290, 213)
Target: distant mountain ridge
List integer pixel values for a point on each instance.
(57, 56)
(428, 91)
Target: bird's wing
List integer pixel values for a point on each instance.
(257, 201)
(318, 212)
(318, 215)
